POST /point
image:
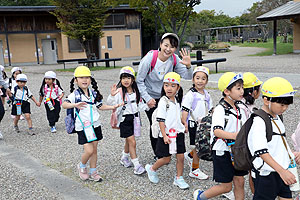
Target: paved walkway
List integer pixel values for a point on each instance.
(44, 166)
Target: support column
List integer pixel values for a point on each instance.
(36, 42)
(274, 37)
(7, 43)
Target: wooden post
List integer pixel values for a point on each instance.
(7, 43)
(36, 42)
(274, 37)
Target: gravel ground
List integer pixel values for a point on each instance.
(61, 152)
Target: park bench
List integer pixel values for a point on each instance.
(106, 60)
(63, 61)
(252, 40)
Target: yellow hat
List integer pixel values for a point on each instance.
(250, 80)
(127, 70)
(82, 71)
(277, 87)
(201, 69)
(227, 79)
(172, 77)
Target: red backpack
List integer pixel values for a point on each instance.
(154, 59)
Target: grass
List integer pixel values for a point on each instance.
(282, 48)
(92, 69)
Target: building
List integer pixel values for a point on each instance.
(29, 35)
(290, 10)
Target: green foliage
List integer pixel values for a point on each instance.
(25, 2)
(200, 46)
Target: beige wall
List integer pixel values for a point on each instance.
(297, 0)
(296, 36)
(118, 44)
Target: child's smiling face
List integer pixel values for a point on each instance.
(126, 81)
(171, 89)
(83, 82)
(200, 80)
(49, 81)
(21, 84)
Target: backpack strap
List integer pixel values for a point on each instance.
(154, 59)
(10, 83)
(269, 129)
(56, 89)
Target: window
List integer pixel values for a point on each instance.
(127, 42)
(52, 45)
(109, 42)
(74, 45)
(115, 20)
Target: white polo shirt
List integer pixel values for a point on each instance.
(19, 93)
(258, 145)
(85, 113)
(202, 106)
(171, 115)
(218, 122)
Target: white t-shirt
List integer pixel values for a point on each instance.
(257, 143)
(171, 115)
(202, 106)
(53, 93)
(19, 93)
(233, 125)
(161, 67)
(85, 113)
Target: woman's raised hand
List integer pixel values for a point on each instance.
(186, 58)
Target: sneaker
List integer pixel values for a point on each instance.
(229, 195)
(1, 136)
(16, 128)
(188, 159)
(30, 132)
(139, 169)
(126, 162)
(181, 183)
(197, 194)
(95, 177)
(53, 129)
(152, 175)
(22, 117)
(198, 174)
(82, 173)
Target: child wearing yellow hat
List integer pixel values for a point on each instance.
(195, 105)
(126, 92)
(171, 137)
(87, 101)
(226, 123)
(273, 159)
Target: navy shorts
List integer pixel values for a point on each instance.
(82, 139)
(192, 126)
(271, 186)
(25, 107)
(162, 149)
(126, 126)
(223, 168)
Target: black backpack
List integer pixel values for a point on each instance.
(240, 150)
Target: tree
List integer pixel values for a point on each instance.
(173, 15)
(82, 20)
(25, 2)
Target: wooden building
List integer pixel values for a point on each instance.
(29, 35)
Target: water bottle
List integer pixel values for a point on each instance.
(173, 145)
(137, 126)
(49, 103)
(89, 131)
(293, 169)
(19, 108)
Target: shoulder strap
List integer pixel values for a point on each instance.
(26, 89)
(56, 89)
(10, 83)
(154, 59)
(15, 91)
(174, 62)
(261, 113)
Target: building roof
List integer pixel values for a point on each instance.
(286, 11)
(231, 27)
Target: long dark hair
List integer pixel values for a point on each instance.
(43, 85)
(178, 96)
(98, 97)
(134, 87)
(248, 94)
(4, 75)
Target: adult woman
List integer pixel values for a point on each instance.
(151, 72)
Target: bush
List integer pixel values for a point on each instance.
(219, 45)
(200, 46)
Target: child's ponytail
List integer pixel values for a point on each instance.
(249, 99)
(42, 88)
(99, 97)
(179, 95)
(58, 84)
(72, 88)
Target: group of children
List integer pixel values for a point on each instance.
(176, 115)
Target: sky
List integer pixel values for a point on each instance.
(230, 7)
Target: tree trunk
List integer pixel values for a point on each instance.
(88, 51)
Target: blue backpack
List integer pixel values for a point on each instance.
(71, 117)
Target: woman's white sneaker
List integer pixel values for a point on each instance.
(198, 174)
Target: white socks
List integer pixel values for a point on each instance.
(125, 155)
(135, 162)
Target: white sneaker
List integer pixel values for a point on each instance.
(1, 136)
(198, 174)
(188, 159)
(229, 195)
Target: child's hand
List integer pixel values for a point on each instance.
(167, 140)
(186, 128)
(297, 157)
(151, 103)
(80, 105)
(118, 105)
(38, 104)
(114, 90)
(287, 177)
(186, 58)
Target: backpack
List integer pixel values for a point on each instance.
(155, 124)
(71, 117)
(240, 150)
(154, 59)
(114, 116)
(202, 140)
